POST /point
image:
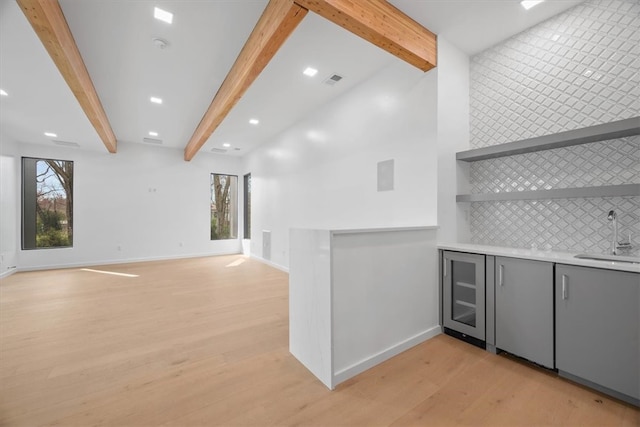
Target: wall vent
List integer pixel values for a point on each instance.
(333, 79)
(218, 150)
(152, 141)
(66, 143)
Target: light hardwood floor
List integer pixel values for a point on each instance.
(205, 342)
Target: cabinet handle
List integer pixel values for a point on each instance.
(501, 275)
(444, 267)
(565, 294)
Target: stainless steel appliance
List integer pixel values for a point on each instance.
(463, 282)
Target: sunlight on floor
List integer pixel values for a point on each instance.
(109, 272)
(236, 263)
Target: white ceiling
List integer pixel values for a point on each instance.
(115, 40)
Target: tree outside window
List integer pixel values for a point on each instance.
(224, 207)
(47, 203)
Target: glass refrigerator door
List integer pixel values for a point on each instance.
(463, 301)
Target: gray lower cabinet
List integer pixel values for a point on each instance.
(598, 329)
(524, 309)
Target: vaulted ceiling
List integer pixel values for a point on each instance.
(116, 42)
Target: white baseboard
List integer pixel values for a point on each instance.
(8, 273)
(270, 263)
(123, 261)
(378, 358)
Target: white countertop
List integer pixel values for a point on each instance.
(373, 229)
(540, 255)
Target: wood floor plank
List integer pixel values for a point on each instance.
(200, 341)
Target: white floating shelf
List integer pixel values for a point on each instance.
(559, 193)
(603, 132)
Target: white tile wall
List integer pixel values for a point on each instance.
(600, 163)
(569, 225)
(577, 69)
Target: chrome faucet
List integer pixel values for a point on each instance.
(614, 239)
(615, 244)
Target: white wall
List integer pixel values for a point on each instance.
(384, 296)
(322, 172)
(142, 203)
(9, 224)
(453, 136)
(358, 298)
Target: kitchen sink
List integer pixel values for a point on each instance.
(614, 258)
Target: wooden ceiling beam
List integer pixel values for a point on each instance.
(382, 24)
(377, 21)
(49, 23)
(279, 19)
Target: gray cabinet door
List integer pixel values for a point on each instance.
(524, 309)
(597, 327)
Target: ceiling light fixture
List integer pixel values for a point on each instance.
(3, 93)
(50, 134)
(155, 100)
(162, 15)
(226, 145)
(254, 121)
(152, 133)
(310, 72)
(528, 4)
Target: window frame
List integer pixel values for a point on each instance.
(246, 212)
(29, 213)
(237, 206)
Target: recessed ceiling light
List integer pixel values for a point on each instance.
(310, 72)
(155, 100)
(50, 134)
(152, 133)
(528, 4)
(226, 145)
(254, 121)
(3, 93)
(162, 15)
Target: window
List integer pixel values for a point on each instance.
(47, 203)
(247, 206)
(224, 207)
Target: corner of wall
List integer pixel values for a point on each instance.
(9, 201)
(453, 136)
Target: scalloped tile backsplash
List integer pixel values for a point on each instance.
(577, 69)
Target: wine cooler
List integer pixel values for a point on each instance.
(464, 296)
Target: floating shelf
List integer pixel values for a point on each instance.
(603, 132)
(559, 193)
